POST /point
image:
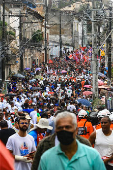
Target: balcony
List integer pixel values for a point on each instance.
(31, 44)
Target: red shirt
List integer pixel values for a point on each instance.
(39, 138)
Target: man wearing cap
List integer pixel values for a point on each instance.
(40, 128)
(69, 153)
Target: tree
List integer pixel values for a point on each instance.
(1, 25)
(37, 36)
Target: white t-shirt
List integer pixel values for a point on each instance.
(104, 144)
(9, 124)
(69, 92)
(71, 108)
(33, 116)
(34, 119)
(21, 146)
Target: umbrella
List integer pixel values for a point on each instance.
(100, 83)
(53, 97)
(6, 159)
(104, 87)
(54, 74)
(37, 69)
(94, 118)
(32, 74)
(50, 92)
(71, 56)
(63, 71)
(86, 93)
(19, 76)
(93, 114)
(80, 77)
(33, 80)
(102, 75)
(50, 62)
(11, 94)
(36, 88)
(88, 86)
(26, 69)
(84, 102)
(38, 77)
(1, 95)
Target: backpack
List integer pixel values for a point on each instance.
(82, 130)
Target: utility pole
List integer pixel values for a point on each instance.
(20, 43)
(82, 34)
(60, 38)
(45, 32)
(94, 54)
(3, 44)
(73, 45)
(109, 43)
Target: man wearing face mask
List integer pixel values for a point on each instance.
(70, 153)
(49, 142)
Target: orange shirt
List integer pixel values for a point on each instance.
(88, 125)
(98, 126)
(82, 83)
(111, 126)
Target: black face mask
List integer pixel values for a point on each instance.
(65, 137)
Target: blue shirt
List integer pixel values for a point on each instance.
(28, 110)
(33, 133)
(86, 158)
(53, 125)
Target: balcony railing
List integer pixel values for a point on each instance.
(31, 44)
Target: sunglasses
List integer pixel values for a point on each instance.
(24, 123)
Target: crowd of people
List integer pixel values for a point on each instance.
(47, 109)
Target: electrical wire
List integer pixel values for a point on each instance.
(30, 27)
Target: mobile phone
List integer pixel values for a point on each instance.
(31, 153)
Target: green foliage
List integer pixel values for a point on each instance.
(96, 103)
(63, 4)
(37, 36)
(0, 34)
(1, 23)
(112, 72)
(11, 33)
(89, 26)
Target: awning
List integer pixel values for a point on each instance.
(29, 3)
